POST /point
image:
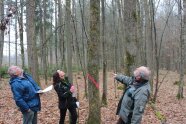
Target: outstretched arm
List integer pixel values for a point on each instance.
(122, 78)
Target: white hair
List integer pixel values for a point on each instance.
(142, 71)
(14, 70)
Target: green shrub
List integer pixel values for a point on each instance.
(3, 72)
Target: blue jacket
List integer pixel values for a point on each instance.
(25, 94)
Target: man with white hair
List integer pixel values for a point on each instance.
(25, 93)
(132, 104)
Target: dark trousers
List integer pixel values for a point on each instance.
(73, 113)
(120, 121)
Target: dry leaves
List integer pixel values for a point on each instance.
(167, 104)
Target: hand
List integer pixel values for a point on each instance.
(72, 89)
(40, 91)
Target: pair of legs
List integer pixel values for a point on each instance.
(73, 113)
(30, 117)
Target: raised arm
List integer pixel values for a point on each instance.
(123, 79)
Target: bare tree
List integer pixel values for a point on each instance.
(182, 39)
(1, 33)
(104, 95)
(20, 21)
(148, 38)
(68, 40)
(16, 35)
(44, 45)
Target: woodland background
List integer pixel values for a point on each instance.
(91, 39)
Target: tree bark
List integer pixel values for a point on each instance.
(68, 40)
(21, 34)
(93, 63)
(104, 95)
(44, 45)
(32, 51)
(182, 39)
(130, 25)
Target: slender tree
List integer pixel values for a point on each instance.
(16, 35)
(45, 42)
(104, 95)
(83, 62)
(148, 38)
(56, 35)
(68, 40)
(1, 33)
(182, 34)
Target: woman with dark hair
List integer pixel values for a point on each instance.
(64, 91)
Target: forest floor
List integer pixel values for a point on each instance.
(167, 105)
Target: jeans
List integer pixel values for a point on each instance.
(73, 113)
(30, 117)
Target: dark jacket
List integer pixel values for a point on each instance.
(25, 94)
(134, 99)
(64, 94)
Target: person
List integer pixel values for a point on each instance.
(24, 90)
(132, 104)
(64, 90)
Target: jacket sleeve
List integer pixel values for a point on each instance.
(139, 105)
(123, 79)
(61, 92)
(18, 96)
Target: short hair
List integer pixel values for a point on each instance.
(12, 70)
(143, 71)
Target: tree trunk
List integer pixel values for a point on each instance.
(130, 25)
(1, 34)
(9, 51)
(154, 38)
(61, 35)
(56, 34)
(104, 95)
(21, 34)
(93, 63)
(16, 37)
(44, 45)
(84, 44)
(32, 51)
(51, 46)
(68, 40)
(182, 39)
(148, 40)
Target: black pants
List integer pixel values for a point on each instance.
(73, 113)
